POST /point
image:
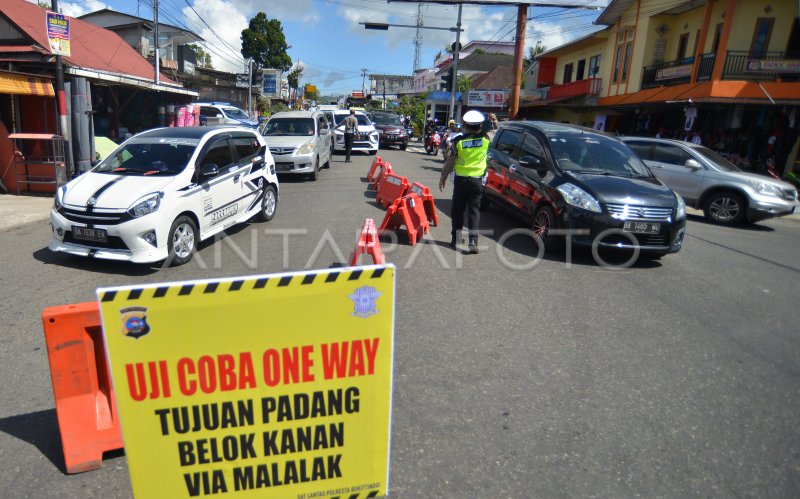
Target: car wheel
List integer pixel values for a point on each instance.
(315, 174)
(269, 204)
(182, 242)
(725, 208)
(544, 220)
(403, 147)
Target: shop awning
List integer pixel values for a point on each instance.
(18, 84)
(130, 81)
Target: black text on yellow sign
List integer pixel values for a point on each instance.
(269, 386)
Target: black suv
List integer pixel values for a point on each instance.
(557, 176)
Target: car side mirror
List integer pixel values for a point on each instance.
(534, 163)
(208, 171)
(96, 162)
(693, 164)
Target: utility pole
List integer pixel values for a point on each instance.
(456, 51)
(157, 52)
(418, 39)
(62, 102)
(250, 87)
(363, 77)
(519, 51)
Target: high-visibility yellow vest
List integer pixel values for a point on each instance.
(471, 152)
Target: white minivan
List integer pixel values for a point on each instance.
(300, 142)
(162, 191)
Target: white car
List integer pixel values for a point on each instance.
(164, 190)
(369, 136)
(300, 142)
(222, 113)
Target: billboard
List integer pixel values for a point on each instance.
(58, 33)
(271, 83)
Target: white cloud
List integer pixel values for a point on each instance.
(78, 9)
(225, 21)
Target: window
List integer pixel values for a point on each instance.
(594, 66)
(671, 155)
(209, 111)
(531, 147)
(683, 43)
(322, 124)
(568, 73)
(507, 142)
(717, 36)
(659, 50)
(624, 52)
(581, 69)
(219, 154)
(641, 149)
(761, 36)
(246, 147)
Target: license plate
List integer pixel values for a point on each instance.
(284, 167)
(87, 234)
(642, 227)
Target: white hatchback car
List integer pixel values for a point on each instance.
(300, 142)
(164, 190)
(369, 137)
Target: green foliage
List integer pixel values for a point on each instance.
(463, 84)
(264, 41)
(532, 53)
(203, 57)
(478, 51)
(311, 96)
(414, 107)
(268, 108)
(294, 76)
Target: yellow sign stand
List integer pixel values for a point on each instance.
(266, 386)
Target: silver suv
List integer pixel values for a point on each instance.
(300, 142)
(708, 181)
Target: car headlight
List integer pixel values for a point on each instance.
(146, 205)
(306, 149)
(374, 137)
(764, 188)
(681, 212)
(58, 201)
(579, 198)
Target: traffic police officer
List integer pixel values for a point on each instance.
(469, 163)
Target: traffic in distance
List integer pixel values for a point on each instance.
(164, 190)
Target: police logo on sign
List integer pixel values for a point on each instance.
(364, 301)
(134, 322)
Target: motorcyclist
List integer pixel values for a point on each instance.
(430, 128)
(453, 131)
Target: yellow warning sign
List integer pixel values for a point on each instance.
(266, 386)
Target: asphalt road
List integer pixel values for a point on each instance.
(673, 378)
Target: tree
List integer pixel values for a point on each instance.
(264, 41)
(533, 52)
(463, 84)
(294, 77)
(203, 58)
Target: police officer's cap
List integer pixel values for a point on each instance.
(474, 117)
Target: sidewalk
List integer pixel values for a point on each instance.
(16, 211)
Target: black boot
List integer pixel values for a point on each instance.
(453, 241)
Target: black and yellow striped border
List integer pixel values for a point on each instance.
(232, 286)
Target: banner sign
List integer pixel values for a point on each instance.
(674, 72)
(58, 33)
(772, 66)
(275, 386)
(487, 98)
(271, 83)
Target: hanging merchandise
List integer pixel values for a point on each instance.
(691, 116)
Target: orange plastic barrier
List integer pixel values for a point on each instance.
(368, 243)
(391, 189)
(376, 163)
(85, 403)
(408, 211)
(386, 169)
(424, 193)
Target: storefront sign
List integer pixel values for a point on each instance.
(272, 386)
(358, 94)
(773, 66)
(58, 33)
(674, 72)
(271, 83)
(188, 67)
(242, 80)
(487, 98)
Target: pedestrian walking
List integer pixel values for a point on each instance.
(350, 125)
(469, 164)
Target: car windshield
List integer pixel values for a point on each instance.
(235, 113)
(716, 159)
(597, 155)
(362, 119)
(289, 126)
(149, 156)
(387, 119)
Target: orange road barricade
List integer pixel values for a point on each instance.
(85, 404)
(376, 163)
(368, 243)
(408, 211)
(424, 193)
(385, 169)
(390, 189)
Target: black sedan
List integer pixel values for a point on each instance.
(584, 183)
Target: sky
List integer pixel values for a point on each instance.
(325, 37)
